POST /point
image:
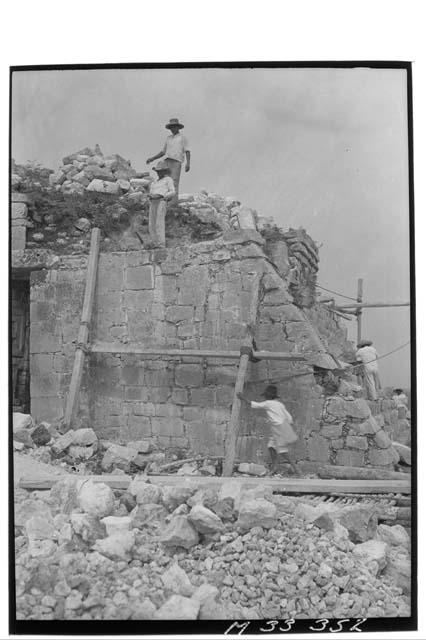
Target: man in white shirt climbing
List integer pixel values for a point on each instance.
(176, 152)
(160, 191)
(280, 423)
(367, 354)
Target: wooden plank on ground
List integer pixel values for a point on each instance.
(279, 485)
(83, 332)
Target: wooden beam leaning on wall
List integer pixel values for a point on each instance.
(83, 332)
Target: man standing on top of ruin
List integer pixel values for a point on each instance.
(367, 354)
(176, 151)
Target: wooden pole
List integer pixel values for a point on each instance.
(83, 332)
(371, 305)
(231, 436)
(137, 349)
(359, 311)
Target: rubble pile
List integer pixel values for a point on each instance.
(173, 552)
(81, 451)
(88, 169)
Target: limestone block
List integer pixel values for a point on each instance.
(383, 457)
(47, 407)
(19, 211)
(318, 448)
(241, 236)
(403, 451)
(350, 458)
(357, 442)
(358, 408)
(19, 235)
(139, 426)
(331, 431)
(179, 396)
(336, 407)
(172, 427)
(368, 427)
(382, 439)
(103, 186)
(158, 395)
(139, 277)
(337, 444)
(101, 174)
(203, 397)
(188, 375)
(178, 313)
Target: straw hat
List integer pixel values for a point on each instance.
(161, 166)
(174, 122)
(364, 343)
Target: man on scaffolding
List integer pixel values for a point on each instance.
(367, 355)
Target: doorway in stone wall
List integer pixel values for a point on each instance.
(20, 338)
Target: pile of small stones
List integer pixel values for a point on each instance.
(173, 552)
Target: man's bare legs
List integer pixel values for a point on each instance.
(276, 459)
(286, 458)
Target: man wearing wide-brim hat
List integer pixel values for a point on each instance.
(160, 191)
(367, 354)
(175, 152)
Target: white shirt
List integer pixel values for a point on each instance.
(175, 147)
(401, 400)
(163, 187)
(276, 412)
(368, 356)
(279, 421)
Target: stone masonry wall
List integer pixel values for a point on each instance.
(190, 297)
(348, 434)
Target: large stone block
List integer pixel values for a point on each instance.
(19, 211)
(357, 442)
(157, 395)
(172, 427)
(140, 301)
(358, 408)
(189, 375)
(139, 427)
(382, 439)
(42, 341)
(383, 457)
(47, 408)
(139, 277)
(336, 407)
(331, 431)
(350, 458)
(204, 397)
(318, 448)
(178, 313)
(368, 427)
(19, 235)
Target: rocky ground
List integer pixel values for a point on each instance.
(151, 552)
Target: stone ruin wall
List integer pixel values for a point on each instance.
(200, 296)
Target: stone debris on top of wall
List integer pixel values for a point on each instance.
(88, 169)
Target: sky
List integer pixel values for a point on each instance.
(324, 149)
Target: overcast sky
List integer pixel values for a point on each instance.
(325, 149)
